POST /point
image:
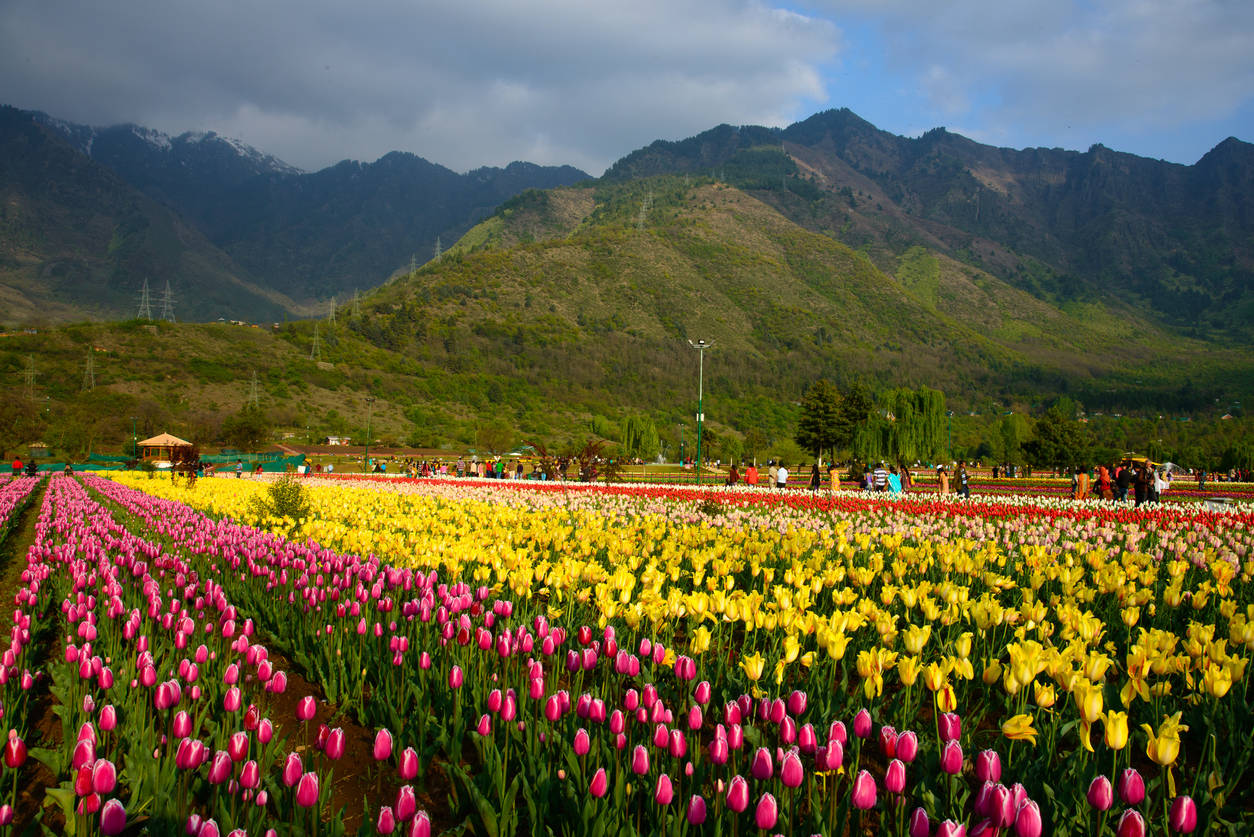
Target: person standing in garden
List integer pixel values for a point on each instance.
(833, 477)
(17, 466)
(733, 476)
(751, 475)
(942, 479)
(772, 472)
(815, 479)
(781, 476)
(964, 481)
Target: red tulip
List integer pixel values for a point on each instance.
(237, 746)
(1183, 817)
(767, 812)
(864, 791)
(888, 742)
(600, 783)
(15, 750)
(307, 790)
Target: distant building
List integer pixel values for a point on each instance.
(336, 440)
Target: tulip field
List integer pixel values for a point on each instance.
(541, 658)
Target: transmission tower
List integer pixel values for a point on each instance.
(316, 352)
(167, 303)
(331, 316)
(29, 375)
(254, 391)
(439, 251)
(645, 206)
(145, 304)
(89, 371)
(356, 305)
(413, 264)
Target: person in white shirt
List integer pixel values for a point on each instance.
(781, 477)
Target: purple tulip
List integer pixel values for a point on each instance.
(1183, 817)
(307, 790)
(1100, 794)
(951, 758)
(738, 794)
(864, 791)
(696, 809)
(112, 817)
(600, 783)
(1131, 786)
(1131, 824)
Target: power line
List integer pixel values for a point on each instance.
(145, 304)
(254, 391)
(316, 352)
(167, 303)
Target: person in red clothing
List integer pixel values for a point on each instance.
(751, 475)
(17, 466)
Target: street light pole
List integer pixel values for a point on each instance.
(365, 465)
(700, 346)
(949, 417)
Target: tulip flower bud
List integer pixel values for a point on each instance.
(112, 817)
(895, 776)
(807, 739)
(951, 758)
(382, 750)
(640, 760)
(1131, 786)
(1183, 817)
(949, 828)
(335, 744)
(1131, 824)
(406, 804)
(988, 766)
(237, 746)
(738, 794)
(104, 776)
(864, 791)
(702, 696)
(386, 821)
(292, 769)
(220, 770)
(888, 742)
(600, 783)
(108, 717)
(409, 764)
(1100, 794)
(762, 768)
(664, 792)
(306, 708)
(862, 724)
(307, 790)
(696, 810)
(919, 824)
(767, 812)
(15, 750)
(582, 742)
(791, 773)
(950, 726)
(1028, 820)
(907, 746)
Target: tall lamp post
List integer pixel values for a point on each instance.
(949, 417)
(365, 465)
(134, 440)
(700, 346)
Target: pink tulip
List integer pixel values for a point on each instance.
(702, 693)
(382, 745)
(250, 775)
(292, 769)
(1131, 824)
(265, 731)
(307, 790)
(664, 792)
(420, 825)
(104, 776)
(862, 724)
(640, 760)
(386, 821)
(1100, 794)
(696, 809)
(306, 708)
(112, 817)
(108, 717)
(600, 783)
(1183, 817)
(767, 812)
(791, 773)
(232, 699)
(988, 766)
(335, 744)
(455, 677)
(951, 758)
(1131, 786)
(949, 828)
(919, 824)
(408, 768)
(895, 776)
(864, 791)
(406, 803)
(582, 742)
(718, 750)
(484, 727)
(738, 794)
(762, 768)
(950, 726)
(237, 746)
(221, 768)
(1028, 820)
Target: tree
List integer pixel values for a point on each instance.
(19, 422)
(819, 427)
(639, 438)
(496, 437)
(1012, 432)
(908, 425)
(856, 405)
(1058, 441)
(755, 442)
(246, 430)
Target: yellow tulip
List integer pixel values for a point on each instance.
(753, 665)
(1116, 726)
(1164, 747)
(1019, 728)
(1043, 694)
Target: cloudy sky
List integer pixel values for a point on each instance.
(485, 82)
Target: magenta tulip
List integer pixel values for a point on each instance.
(767, 812)
(950, 726)
(763, 768)
(582, 742)
(335, 744)
(791, 773)
(1100, 794)
(640, 760)
(920, 826)
(112, 817)
(988, 766)
(382, 745)
(864, 791)
(292, 769)
(406, 804)
(1131, 786)
(1028, 820)
(420, 825)
(456, 677)
(696, 809)
(408, 768)
(1131, 824)
(895, 776)
(949, 828)
(386, 822)
(665, 791)
(702, 694)
(306, 708)
(104, 776)
(1183, 817)
(220, 770)
(888, 742)
(600, 783)
(250, 775)
(951, 758)
(738, 794)
(484, 727)
(108, 717)
(237, 746)
(307, 790)
(15, 750)
(907, 746)
(862, 724)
